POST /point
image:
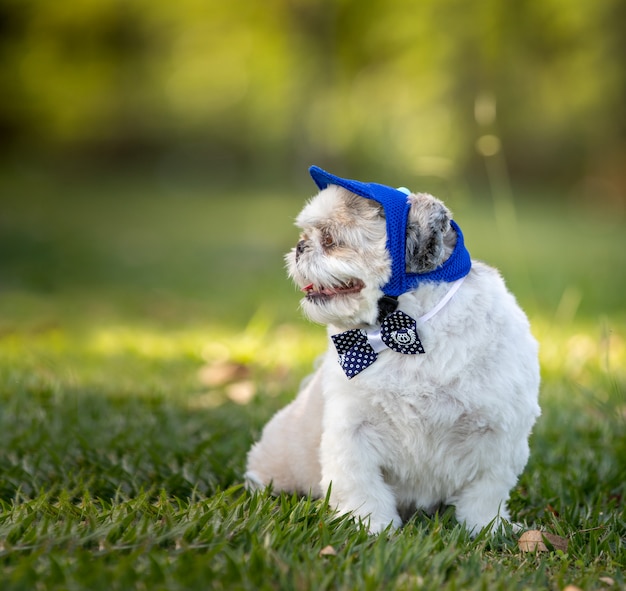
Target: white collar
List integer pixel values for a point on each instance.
(373, 335)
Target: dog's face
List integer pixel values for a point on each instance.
(341, 262)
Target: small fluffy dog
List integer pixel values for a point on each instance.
(428, 391)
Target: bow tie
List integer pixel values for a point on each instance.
(358, 349)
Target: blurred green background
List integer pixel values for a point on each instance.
(383, 86)
(153, 154)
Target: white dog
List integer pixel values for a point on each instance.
(431, 403)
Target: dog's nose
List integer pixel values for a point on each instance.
(300, 248)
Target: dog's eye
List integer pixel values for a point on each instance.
(327, 240)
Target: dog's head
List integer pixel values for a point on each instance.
(341, 261)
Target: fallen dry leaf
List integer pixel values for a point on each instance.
(241, 392)
(572, 588)
(557, 542)
(607, 581)
(220, 373)
(534, 541)
(552, 510)
(531, 541)
(328, 551)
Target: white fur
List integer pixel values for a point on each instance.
(411, 431)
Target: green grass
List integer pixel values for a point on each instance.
(121, 459)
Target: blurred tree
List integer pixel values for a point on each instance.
(388, 84)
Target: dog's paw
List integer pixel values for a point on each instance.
(497, 525)
(378, 526)
(252, 481)
(517, 527)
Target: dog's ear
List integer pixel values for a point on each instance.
(428, 223)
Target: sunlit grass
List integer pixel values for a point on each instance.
(144, 344)
(117, 452)
(581, 352)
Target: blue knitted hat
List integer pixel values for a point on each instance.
(396, 207)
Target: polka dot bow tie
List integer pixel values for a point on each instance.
(358, 349)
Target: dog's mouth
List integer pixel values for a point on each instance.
(323, 292)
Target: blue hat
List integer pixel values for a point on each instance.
(396, 207)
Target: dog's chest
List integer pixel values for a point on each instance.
(427, 444)
(409, 415)
(423, 429)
